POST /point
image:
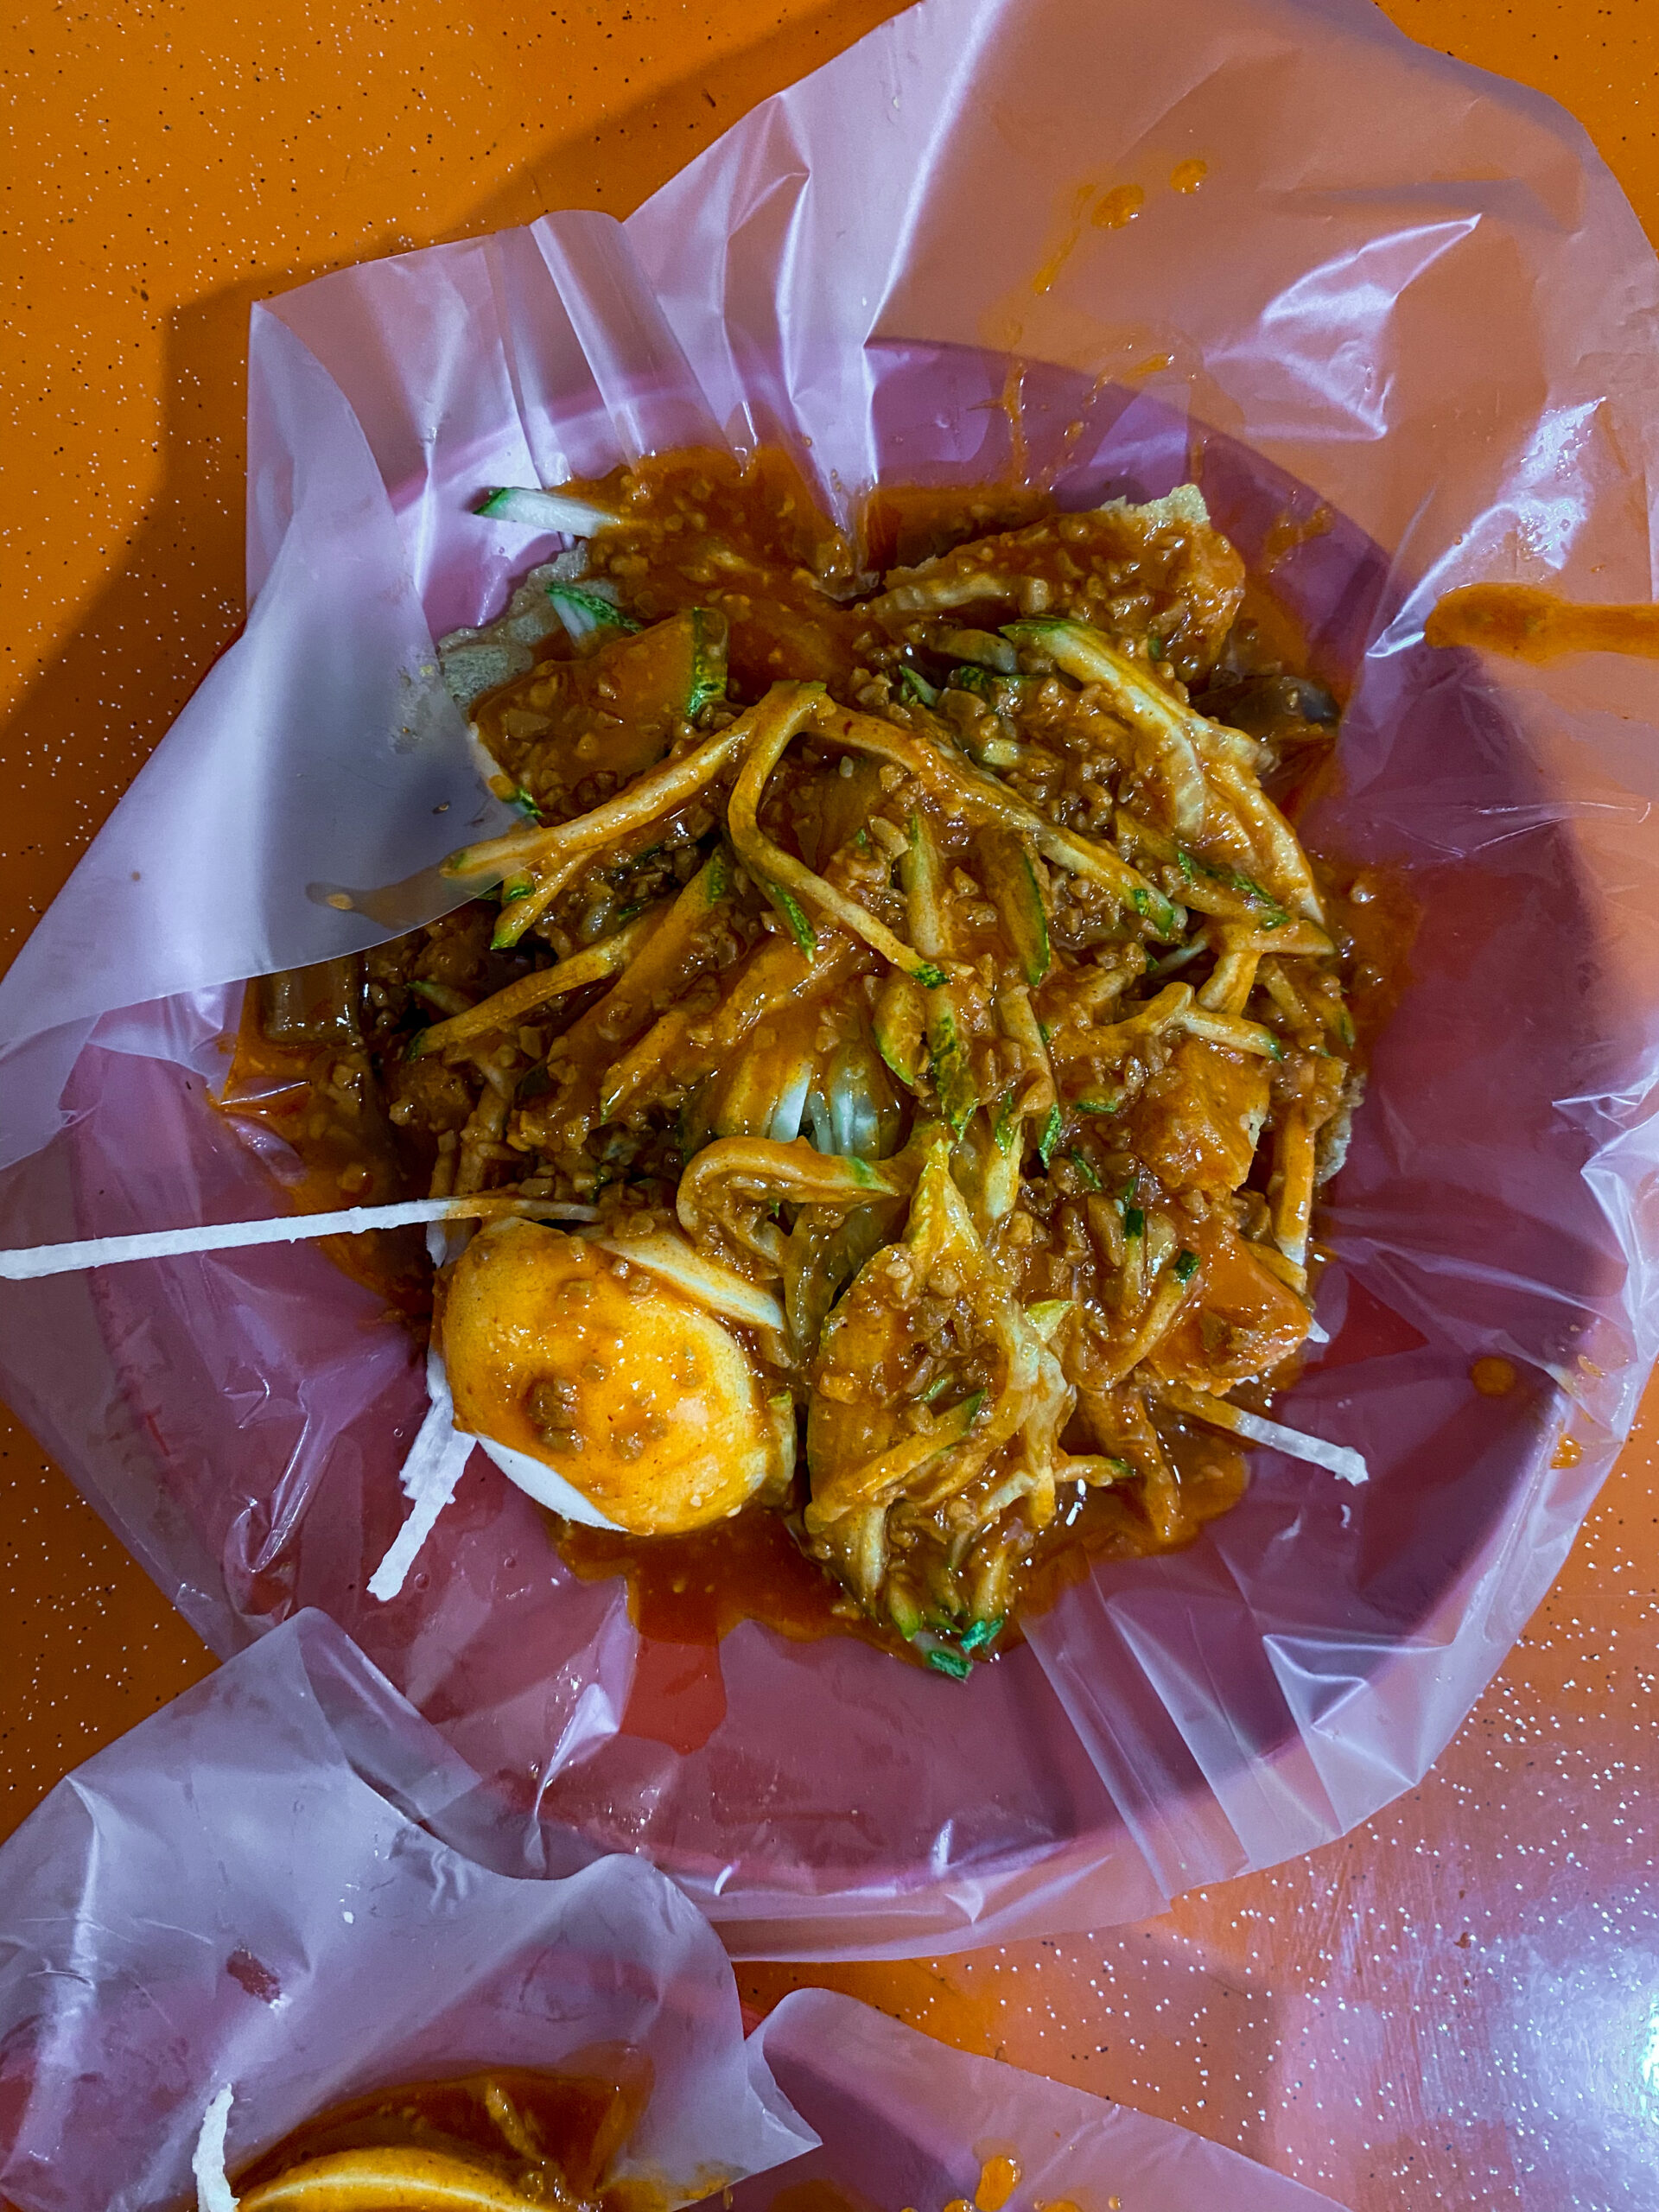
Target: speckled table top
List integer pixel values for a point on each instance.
(1459, 2003)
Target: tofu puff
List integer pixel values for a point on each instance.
(932, 1003)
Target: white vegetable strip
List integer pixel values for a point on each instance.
(30, 1263)
(547, 511)
(1340, 1459)
(437, 1459)
(207, 2160)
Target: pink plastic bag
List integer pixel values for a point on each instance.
(1406, 312)
(906, 2121)
(241, 1892)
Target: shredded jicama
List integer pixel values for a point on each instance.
(30, 1263)
(437, 1459)
(214, 2192)
(1339, 1459)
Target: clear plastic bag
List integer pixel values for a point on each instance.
(240, 1891)
(1403, 332)
(905, 2120)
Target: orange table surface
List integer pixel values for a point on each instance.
(1459, 2003)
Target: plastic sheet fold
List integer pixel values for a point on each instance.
(901, 2118)
(1403, 333)
(241, 1892)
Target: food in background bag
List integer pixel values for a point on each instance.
(491, 2142)
(915, 984)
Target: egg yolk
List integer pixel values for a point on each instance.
(641, 1401)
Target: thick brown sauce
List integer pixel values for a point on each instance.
(580, 2121)
(1527, 624)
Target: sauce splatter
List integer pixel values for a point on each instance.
(1493, 1378)
(999, 2178)
(1527, 624)
(1071, 232)
(1187, 176)
(1117, 208)
(1569, 1452)
(1288, 532)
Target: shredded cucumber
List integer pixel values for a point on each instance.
(547, 511)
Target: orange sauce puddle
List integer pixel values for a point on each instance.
(1525, 623)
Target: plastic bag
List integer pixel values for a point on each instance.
(1403, 330)
(239, 1892)
(906, 2121)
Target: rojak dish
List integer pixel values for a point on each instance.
(906, 983)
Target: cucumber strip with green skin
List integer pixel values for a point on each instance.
(918, 687)
(1135, 1222)
(898, 1026)
(950, 1662)
(905, 1609)
(980, 681)
(1010, 880)
(1079, 1160)
(1191, 865)
(585, 612)
(953, 1074)
(708, 636)
(978, 1633)
(794, 915)
(1051, 1135)
(538, 510)
(1187, 1266)
(982, 647)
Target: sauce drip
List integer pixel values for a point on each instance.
(1118, 208)
(1530, 625)
(1492, 1377)
(999, 2178)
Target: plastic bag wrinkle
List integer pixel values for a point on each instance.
(1426, 328)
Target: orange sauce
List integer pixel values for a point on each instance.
(1187, 176)
(904, 523)
(1118, 208)
(682, 512)
(695, 1589)
(1493, 1377)
(1531, 625)
(1288, 530)
(999, 2176)
(579, 2121)
(343, 1159)
(1569, 1452)
(818, 2197)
